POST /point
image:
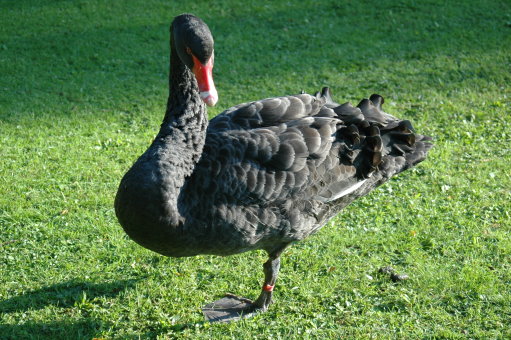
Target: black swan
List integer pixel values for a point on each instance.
(260, 175)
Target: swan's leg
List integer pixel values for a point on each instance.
(231, 307)
(271, 270)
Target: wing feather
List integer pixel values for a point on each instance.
(300, 146)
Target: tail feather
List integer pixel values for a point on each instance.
(385, 142)
(422, 146)
(371, 146)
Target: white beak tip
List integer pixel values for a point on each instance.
(209, 97)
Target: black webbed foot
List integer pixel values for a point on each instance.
(230, 308)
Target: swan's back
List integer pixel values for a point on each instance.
(274, 171)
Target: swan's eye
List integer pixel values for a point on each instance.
(189, 51)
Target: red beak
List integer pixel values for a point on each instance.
(204, 75)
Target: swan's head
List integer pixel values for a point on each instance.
(194, 45)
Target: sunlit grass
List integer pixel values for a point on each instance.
(83, 86)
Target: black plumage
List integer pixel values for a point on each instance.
(260, 175)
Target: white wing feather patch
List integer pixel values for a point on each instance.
(345, 192)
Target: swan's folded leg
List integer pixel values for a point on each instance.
(231, 307)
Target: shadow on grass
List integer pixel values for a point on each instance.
(66, 295)
(63, 295)
(82, 329)
(24, 4)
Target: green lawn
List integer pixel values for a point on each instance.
(83, 87)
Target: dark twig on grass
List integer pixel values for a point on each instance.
(388, 270)
(8, 242)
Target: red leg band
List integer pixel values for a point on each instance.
(268, 288)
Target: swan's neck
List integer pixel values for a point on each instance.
(184, 106)
(183, 131)
(181, 138)
(147, 203)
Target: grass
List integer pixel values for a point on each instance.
(83, 86)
